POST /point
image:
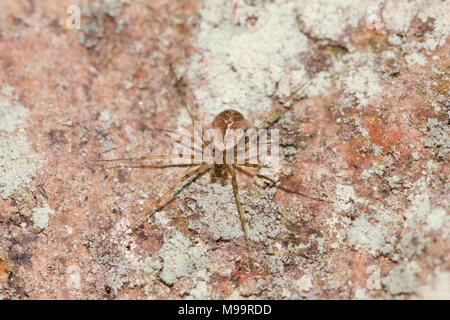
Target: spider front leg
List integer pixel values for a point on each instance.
(182, 92)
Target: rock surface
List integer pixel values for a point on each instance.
(371, 135)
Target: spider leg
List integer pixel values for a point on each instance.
(241, 211)
(285, 189)
(281, 187)
(279, 108)
(182, 92)
(194, 172)
(156, 157)
(194, 148)
(175, 135)
(149, 166)
(277, 111)
(159, 157)
(258, 166)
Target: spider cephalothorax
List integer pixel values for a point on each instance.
(229, 119)
(223, 137)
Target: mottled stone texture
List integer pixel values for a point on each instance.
(371, 136)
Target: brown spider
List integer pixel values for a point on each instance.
(219, 164)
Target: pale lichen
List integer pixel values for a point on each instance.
(374, 238)
(402, 279)
(416, 59)
(220, 216)
(438, 137)
(11, 116)
(181, 257)
(41, 216)
(18, 162)
(394, 21)
(18, 165)
(242, 63)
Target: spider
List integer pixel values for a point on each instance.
(233, 141)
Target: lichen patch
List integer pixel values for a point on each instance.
(242, 63)
(219, 216)
(41, 216)
(11, 115)
(18, 165)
